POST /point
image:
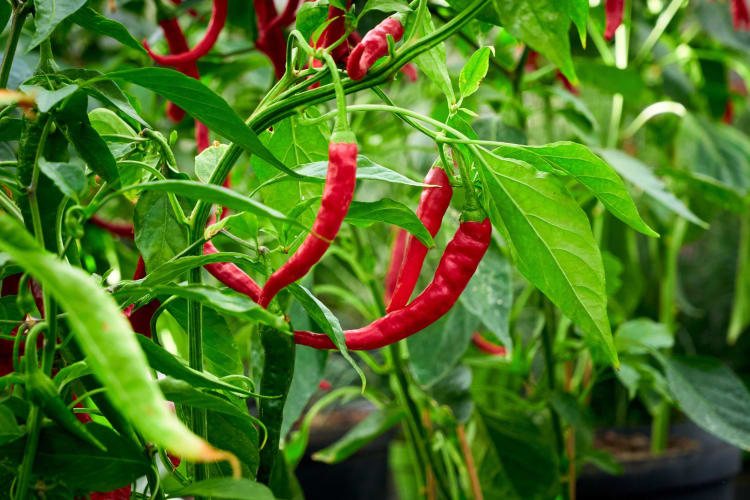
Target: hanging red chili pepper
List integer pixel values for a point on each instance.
(409, 69)
(614, 12)
(740, 14)
(373, 46)
(215, 25)
(231, 275)
(270, 41)
(140, 319)
(456, 267)
(177, 43)
(433, 203)
(335, 30)
(486, 346)
(121, 229)
(398, 249)
(337, 195)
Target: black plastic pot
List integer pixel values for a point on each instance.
(707, 473)
(363, 476)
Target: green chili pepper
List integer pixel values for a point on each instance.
(114, 355)
(278, 369)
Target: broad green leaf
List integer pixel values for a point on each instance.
(226, 487)
(309, 366)
(235, 435)
(454, 390)
(105, 91)
(5, 12)
(48, 14)
(740, 317)
(173, 366)
(474, 71)
(106, 121)
(433, 62)
(552, 242)
(365, 214)
(578, 10)
(543, 25)
(226, 301)
(436, 349)
(712, 396)
(201, 103)
(327, 321)
(385, 6)
(207, 160)
(91, 20)
(9, 428)
(71, 463)
(70, 178)
(710, 189)
(107, 340)
(374, 425)
(641, 176)
(10, 128)
(181, 392)
(489, 295)
(215, 194)
(366, 170)
(524, 460)
(159, 236)
(584, 166)
(310, 15)
(46, 99)
(641, 335)
(610, 80)
(716, 19)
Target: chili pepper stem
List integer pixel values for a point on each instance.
(19, 16)
(342, 124)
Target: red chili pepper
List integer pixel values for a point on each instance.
(373, 46)
(286, 17)
(614, 11)
(231, 275)
(337, 195)
(409, 69)
(335, 31)
(433, 204)
(140, 319)
(457, 266)
(568, 86)
(740, 15)
(215, 25)
(398, 249)
(485, 345)
(324, 385)
(270, 41)
(728, 116)
(121, 229)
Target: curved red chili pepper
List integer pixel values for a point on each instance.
(231, 275)
(485, 345)
(409, 69)
(373, 46)
(433, 203)
(337, 195)
(121, 229)
(270, 41)
(614, 11)
(285, 18)
(740, 15)
(215, 25)
(398, 249)
(334, 31)
(457, 266)
(140, 319)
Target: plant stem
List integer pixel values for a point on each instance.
(19, 16)
(34, 423)
(661, 24)
(740, 304)
(548, 333)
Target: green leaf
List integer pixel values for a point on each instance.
(641, 176)
(310, 15)
(225, 300)
(374, 425)
(9, 428)
(68, 177)
(159, 236)
(712, 396)
(436, 349)
(384, 6)
(433, 62)
(552, 242)
(327, 321)
(543, 25)
(226, 487)
(207, 160)
(217, 195)
(91, 20)
(710, 189)
(639, 336)
(489, 295)
(578, 11)
(106, 121)
(740, 317)
(309, 367)
(365, 214)
(105, 91)
(474, 71)
(48, 14)
(5, 12)
(181, 392)
(235, 435)
(173, 366)
(584, 166)
(46, 99)
(107, 340)
(200, 103)
(610, 80)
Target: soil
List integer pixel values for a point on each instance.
(637, 446)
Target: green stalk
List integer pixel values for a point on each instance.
(742, 284)
(33, 426)
(667, 311)
(19, 16)
(548, 333)
(661, 24)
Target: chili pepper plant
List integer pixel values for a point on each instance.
(219, 220)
